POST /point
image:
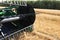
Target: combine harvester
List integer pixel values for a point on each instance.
(15, 17)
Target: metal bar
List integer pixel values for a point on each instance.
(15, 18)
(14, 1)
(10, 19)
(19, 2)
(2, 1)
(19, 31)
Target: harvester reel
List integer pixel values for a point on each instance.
(15, 18)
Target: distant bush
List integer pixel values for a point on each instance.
(45, 4)
(42, 4)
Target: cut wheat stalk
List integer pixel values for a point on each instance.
(51, 37)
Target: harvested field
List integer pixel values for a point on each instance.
(46, 26)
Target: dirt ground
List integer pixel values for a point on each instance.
(46, 26)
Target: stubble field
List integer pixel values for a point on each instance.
(46, 26)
